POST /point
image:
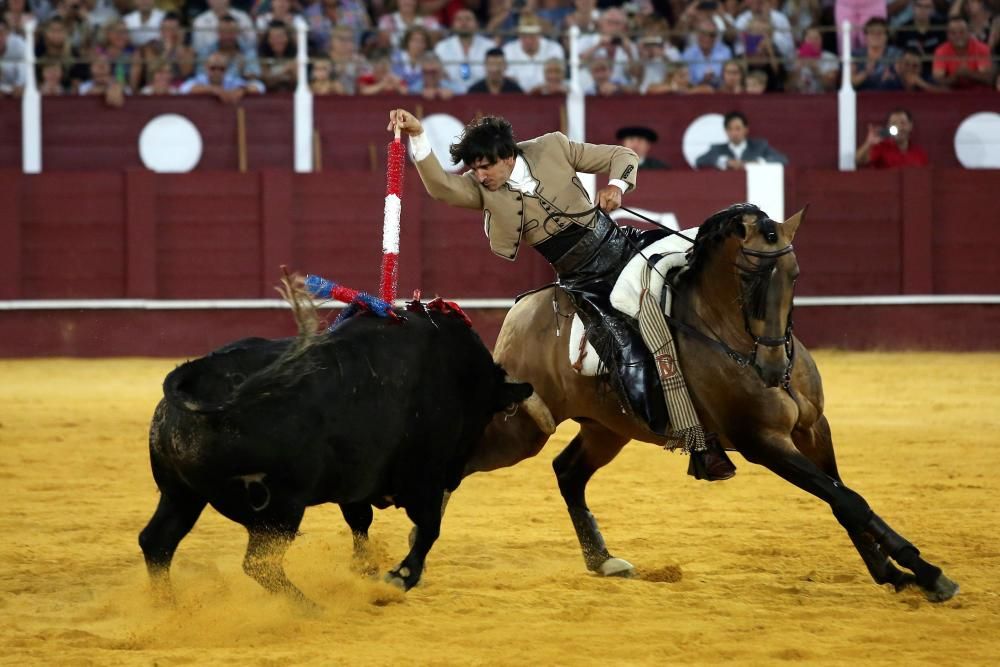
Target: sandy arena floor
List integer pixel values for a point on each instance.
(749, 571)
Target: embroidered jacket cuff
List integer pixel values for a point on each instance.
(420, 148)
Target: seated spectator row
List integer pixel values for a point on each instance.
(443, 48)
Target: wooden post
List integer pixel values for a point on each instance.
(317, 151)
(241, 138)
(372, 156)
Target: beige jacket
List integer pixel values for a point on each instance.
(511, 218)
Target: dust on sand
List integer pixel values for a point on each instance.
(751, 571)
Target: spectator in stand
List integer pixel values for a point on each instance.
(679, 83)
(756, 83)
(215, 80)
(321, 80)
(11, 61)
(527, 54)
(978, 15)
(611, 43)
(761, 55)
(281, 10)
(16, 15)
(778, 29)
(205, 27)
(733, 78)
(801, 15)
(495, 82)
(602, 79)
(924, 35)
(126, 64)
(464, 53)
(76, 18)
(889, 147)
(504, 16)
(406, 61)
(963, 61)
(859, 13)
(433, 84)
(874, 67)
(741, 149)
(53, 46)
(554, 13)
(657, 57)
(161, 79)
(51, 78)
(706, 55)
(909, 70)
(170, 48)
(699, 12)
(815, 70)
(584, 16)
(393, 26)
(348, 64)
(278, 67)
(554, 71)
(144, 23)
(380, 80)
(102, 82)
(640, 140)
(324, 15)
(240, 56)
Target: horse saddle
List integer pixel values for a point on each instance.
(668, 256)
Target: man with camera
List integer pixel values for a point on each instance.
(890, 146)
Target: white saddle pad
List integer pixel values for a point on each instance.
(626, 292)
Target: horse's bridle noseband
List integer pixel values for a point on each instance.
(786, 340)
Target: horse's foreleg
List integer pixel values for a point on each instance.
(574, 467)
(854, 514)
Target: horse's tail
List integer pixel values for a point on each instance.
(245, 372)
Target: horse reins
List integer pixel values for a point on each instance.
(741, 359)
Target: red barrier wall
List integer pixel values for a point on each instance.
(83, 133)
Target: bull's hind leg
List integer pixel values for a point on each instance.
(270, 538)
(359, 517)
(425, 513)
(853, 513)
(593, 448)
(175, 515)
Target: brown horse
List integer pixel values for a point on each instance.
(752, 382)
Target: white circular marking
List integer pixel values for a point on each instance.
(977, 141)
(443, 130)
(701, 134)
(170, 143)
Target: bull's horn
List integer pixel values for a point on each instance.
(535, 406)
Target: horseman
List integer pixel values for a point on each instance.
(530, 194)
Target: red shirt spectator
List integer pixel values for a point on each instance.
(963, 61)
(887, 155)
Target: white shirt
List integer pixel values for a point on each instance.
(206, 29)
(526, 69)
(619, 66)
(464, 69)
(12, 64)
(781, 33)
(140, 32)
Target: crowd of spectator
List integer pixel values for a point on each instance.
(441, 48)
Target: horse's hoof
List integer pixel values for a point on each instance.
(399, 578)
(943, 589)
(616, 567)
(904, 581)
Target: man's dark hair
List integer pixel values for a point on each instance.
(496, 51)
(172, 16)
(874, 21)
(905, 112)
(732, 115)
(488, 138)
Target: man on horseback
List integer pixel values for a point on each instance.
(529, 193)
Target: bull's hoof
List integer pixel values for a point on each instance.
(616, 567)
(943, 589)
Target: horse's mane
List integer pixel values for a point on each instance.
(716, 229)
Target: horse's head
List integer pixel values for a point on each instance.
(767, 272)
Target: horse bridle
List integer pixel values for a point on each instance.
(786, 340)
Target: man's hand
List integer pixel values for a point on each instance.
(609, 198)
(405, 121)
(734, 164)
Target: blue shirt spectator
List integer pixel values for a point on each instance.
(706, 56)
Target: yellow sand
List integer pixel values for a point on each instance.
(749, 571)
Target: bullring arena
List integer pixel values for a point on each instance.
(113, 274)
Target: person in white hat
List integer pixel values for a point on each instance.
(527, 54)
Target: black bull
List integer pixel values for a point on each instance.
(375, 412)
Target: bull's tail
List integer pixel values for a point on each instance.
(239, 375)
